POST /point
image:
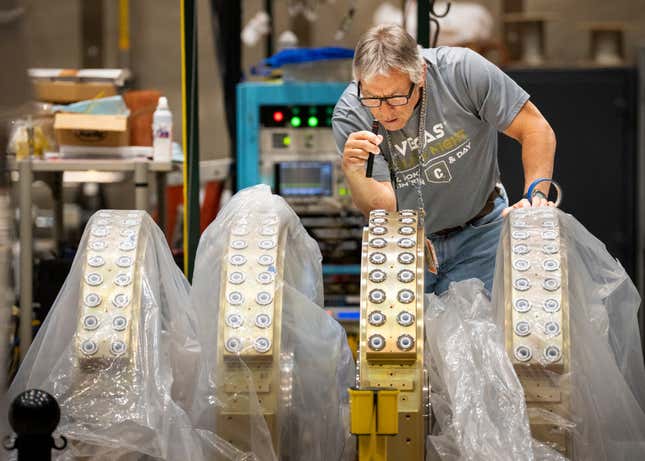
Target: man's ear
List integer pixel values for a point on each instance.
(423, 76)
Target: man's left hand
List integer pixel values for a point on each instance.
(524, 203)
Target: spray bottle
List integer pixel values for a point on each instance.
(162, 132)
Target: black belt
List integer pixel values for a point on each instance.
(488, 207)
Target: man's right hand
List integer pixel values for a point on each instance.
(357, 149)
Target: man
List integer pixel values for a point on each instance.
(439, 111)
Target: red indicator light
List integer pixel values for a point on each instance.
(278, 116)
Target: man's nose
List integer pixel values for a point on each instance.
(385, 109)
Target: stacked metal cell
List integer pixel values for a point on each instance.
(276, 367)
(391, 337)
(250, 319)
(110, 298)
(568, 318)
(537, 319)
(118, 347)
(252, 309)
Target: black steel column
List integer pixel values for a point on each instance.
(190, 120)
(268, 7)
(423, 23)
(227, 28)
(92, 33)
(640, 184)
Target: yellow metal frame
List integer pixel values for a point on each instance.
(374, 418)
(124, 25)
(391, 367)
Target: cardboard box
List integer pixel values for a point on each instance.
(91, 130)
(67, 92)
(73, 85)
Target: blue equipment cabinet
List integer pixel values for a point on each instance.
(284, 139)
(251, 97)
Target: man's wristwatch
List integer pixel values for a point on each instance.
(536, 193)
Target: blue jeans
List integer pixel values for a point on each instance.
(470, 252)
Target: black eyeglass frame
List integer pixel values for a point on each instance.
(385, 98)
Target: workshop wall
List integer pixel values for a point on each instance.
(14, 87)
(53, 34)
(55, 40)
(568, 42)
(156, 58)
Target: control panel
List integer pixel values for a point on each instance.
(300, 161)
(285, 140)
(299, 158)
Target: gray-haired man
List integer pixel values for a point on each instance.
(439, 112)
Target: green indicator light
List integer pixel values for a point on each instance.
(296, 121)
(295, 110)
(312, 121)
(328, 121)
(312, 110)
(342, 191)
(329, 110)
(286, 141)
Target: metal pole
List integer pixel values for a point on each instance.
(423, 23)
(124, 34)
(227, 22)
(190, 121)
(141, 185)
(57, 195)
(6, 289)
(92, 33)
(161, 199)
(268, 7)
(26, 255)
(640, 199)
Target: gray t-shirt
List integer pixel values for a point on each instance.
(469, 100)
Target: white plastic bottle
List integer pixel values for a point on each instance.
(162, 132)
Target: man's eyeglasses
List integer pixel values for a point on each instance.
(394, 100)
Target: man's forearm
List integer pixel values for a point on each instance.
(538, 153)
(369, 194)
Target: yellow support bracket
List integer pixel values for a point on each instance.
(374, 415)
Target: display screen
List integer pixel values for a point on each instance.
(300, 178)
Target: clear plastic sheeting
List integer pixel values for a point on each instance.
(258, 291)
(604, 383)
(611, 300)
(118, 349)
(477, 401)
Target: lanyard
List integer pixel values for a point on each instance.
(421, 144)
(431, 255)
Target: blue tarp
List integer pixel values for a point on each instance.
(300, 55)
